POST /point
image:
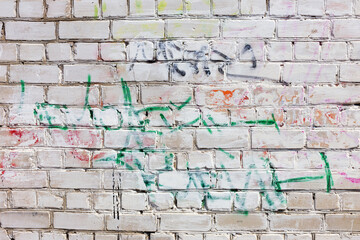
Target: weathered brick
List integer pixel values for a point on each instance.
(25, 219)
(78, 221)
(185, 222)
(84, 29)
(30, 30)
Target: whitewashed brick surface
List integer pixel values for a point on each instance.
(179, 119)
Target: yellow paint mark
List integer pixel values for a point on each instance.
(104, 7)
(207, 2)
(188, 5)
(162, 5)
(138, 6)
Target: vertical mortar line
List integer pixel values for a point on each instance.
(17, 8)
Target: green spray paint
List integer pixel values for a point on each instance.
(182, 105)
(226, 153)
(96, 11)
(329, 179)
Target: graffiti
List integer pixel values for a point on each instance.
(140, 142)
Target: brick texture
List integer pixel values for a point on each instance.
(179, 119)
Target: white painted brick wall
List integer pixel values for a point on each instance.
(179, 119)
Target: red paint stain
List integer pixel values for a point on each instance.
(24, 135)
(227, 96)
(99, 155)
(80, 155)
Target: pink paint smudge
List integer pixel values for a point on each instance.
(351, 179)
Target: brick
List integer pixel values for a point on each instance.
(339, 8)
(30, 30)
(300, 201)
(249, 28)
(238, 180)
(86, 8)
(334, 94)
(238, 71)
(189, 200)
(26, 235)
(53, 236)
(246, 201)
(282, 7)
(59, 52)
(123, 29)
(34, 73)
(165, 94)
(8, 52)
(332, 139)
(232, 95)
(75, 179)
(113, 51)
(227, 7)
(237, 222)
(349, 117)
(280, 51)
(201, 73)
(182, 222)
(354, 50)
(346, 28)
(311, 8)
(114, 8)
(134, 201)
(103, 201)
(78, 221)
(129, 139)
(225, 138)
(114, 95)
(3, 199)
(31, 8)
(197, 7)
(47, 199)
(253, 7)
(59, 8)
(349, 72)
(161, 201)
(218, 201)
(272, 237)
(72, 95)
(279, 95)
(22, 137)
(307, 50)
(77, 200)
(304, 28)
(349, 202)
(8, 8)
(184, 180)
(309, 73)
(326, 201)
(84, 30)
(142, 8)
(326, 116)
(334, 51)
(32, 52)
(86, 51)
(23, 199)
(25, 219)
(158, 72)
(192, 28)
(80, 73)
(75, 138)
(132, 222)
(296, 222)
(342, 222)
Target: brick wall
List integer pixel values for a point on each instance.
(179, 119)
